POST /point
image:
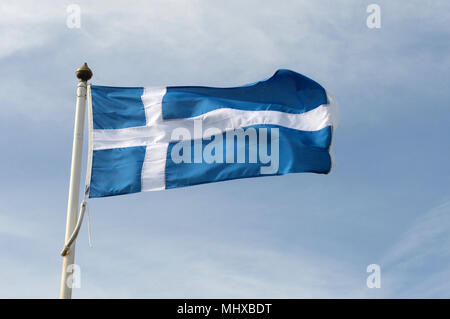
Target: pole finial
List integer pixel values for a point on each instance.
(84, 73)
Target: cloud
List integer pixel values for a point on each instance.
(170, 268)
(26, 25)
(224, 44)
(418, 265)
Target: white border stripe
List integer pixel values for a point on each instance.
(224, 119)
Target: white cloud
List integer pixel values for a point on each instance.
(25, 25)
(418, 265)
(222, 44)
(168, 268)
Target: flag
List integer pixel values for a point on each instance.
(155, 138)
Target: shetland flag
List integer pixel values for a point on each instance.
(155, 138)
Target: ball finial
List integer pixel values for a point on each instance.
(84, 73)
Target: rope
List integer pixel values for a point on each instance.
(89, 226)
(76, 230)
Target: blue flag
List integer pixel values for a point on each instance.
(155, 138)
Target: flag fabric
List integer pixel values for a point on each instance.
(155, 138)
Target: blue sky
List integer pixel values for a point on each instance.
(386, 202)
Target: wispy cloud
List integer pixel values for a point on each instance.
(168, 268)
(418, 265)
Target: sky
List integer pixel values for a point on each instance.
(386, 202)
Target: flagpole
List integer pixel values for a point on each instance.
(83, 74)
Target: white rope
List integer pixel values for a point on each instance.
(74, 235)
(89, 227)
(76, 230)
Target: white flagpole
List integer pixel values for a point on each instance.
(83, 74)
